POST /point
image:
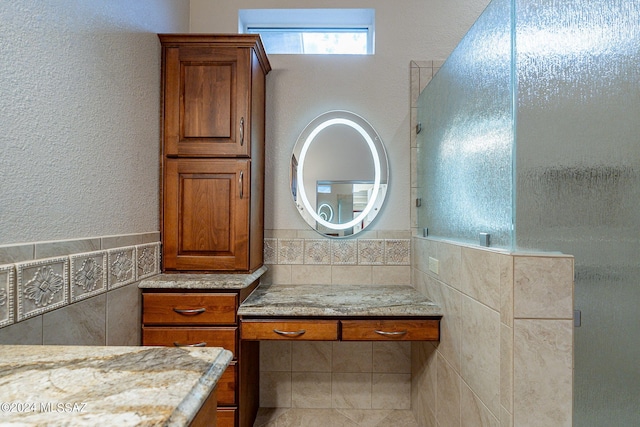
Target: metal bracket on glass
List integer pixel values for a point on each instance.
(485, 239)
(418, 128)
(577, 318)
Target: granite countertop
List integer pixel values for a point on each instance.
(202, 281)
(106, 386)
(338, 301)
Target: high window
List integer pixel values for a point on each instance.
(311, 31)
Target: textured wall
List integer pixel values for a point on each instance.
(79, 99)
(376, 87)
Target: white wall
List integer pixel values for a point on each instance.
(376, 87)
(79, 101)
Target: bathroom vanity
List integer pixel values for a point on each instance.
(339, 313)
(123, 386)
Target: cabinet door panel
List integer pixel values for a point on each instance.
(206, 101)
(206, 204)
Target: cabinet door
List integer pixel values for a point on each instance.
(206, 214)
(206, 101)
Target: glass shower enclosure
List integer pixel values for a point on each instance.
(531, 134)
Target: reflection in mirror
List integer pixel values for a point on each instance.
(339, 174)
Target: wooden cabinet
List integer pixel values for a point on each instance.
(390, 329)
(205, 318)
(213, 120)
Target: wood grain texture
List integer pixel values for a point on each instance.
(301, 330)
(176, 308)
(390, 330)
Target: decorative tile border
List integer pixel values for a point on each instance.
(41, 286)
(122, 267)
(7, 294)
(30, 288)
(286, 251)
(148, 258)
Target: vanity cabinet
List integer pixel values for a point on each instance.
(213, 120)
(208, 318)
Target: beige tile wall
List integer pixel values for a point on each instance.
(107, 315)
(343, 375)
(505, 357)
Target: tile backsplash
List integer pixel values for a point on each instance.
(75, 279)
(340, 375)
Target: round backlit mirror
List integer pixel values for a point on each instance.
(339, 174)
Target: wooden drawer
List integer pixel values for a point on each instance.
(390, 330)
(302, 330)
(227, 386)
(188, 308)
(226, 417)
(202, 337)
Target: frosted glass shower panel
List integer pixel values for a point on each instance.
(578, 182)
(466, 143)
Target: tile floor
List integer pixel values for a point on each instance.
(298, 417)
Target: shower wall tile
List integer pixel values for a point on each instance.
(506, 290)
(506, 367)
(543, 287)
(448, 393)
(41, 286)
(481, 352)
(543, 367)
(500, 369)
(473, 410)
(450, 261)
(88, 274)
(423, 382)
(480, 276)
(7, 294)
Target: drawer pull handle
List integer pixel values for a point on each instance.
(200, 344)
(241, 131)
(189, 311)
(391, 334)
(290, 333)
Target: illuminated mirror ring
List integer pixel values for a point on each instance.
(336, 135)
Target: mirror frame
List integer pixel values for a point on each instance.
(376, 149)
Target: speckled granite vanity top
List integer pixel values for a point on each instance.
(106, 386)
(201, 281)
(337, 301)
